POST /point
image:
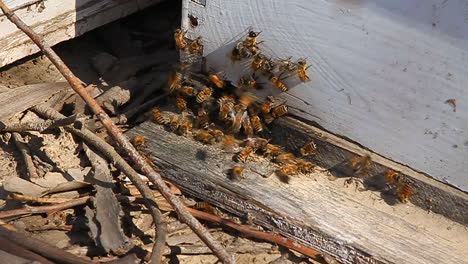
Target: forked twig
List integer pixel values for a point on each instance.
(121, 140)
(25, 152)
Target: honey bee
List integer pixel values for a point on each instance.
(236, 173)
(279, 111)
(217, 134)
(237, 122)
(248, 82)
(228, 143)
(251, 40)
(305, 166)
(158, 117)
(404, 192)
(393, 176)
(308, 148)
(286, 66)
(278, 83)
(235, 54)
(258, 61)
(240, 51)
(174, 124)
(185, 127)
(244, 154)
(203, 120)
(286, 158)
(188, 91)
(216, 80)
(181, 104)
(226, 99)
(179, 37)
(175, 81)
(301, 70)
(266, 106)
(204, 95)
(257, 143)
(225, 109)
(272, 150)
(138, 142)
(268, 66)
(268, 118)
(247, 125)
(287, 170)
(360, 164)
(205, 137)
(195, 46)
(256, 124)
(206, 207)
(245, 100)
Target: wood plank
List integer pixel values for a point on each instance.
(381, 70)
(21, 98)
(59, 21)
(350, 225)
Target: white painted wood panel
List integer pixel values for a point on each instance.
(381, 70)
(59, 21)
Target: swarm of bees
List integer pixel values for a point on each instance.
(215, 111)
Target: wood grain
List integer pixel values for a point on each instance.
(349, 225)
(381, 70)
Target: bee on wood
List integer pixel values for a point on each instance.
(181, 104)
(236, 173)
(247, 126)
(175, 81)
(216, 80)
(257, 143)
(404, 192)
(138, 142)
(240, 52)
(256, 124)
(272, 150)
(203, 120)
(268, 118)
(179, 37)
(258, 61)
(286, 158)
(217, 134)
(237, 121)
(301, 70)
(204, 95)
(360, 164)
(287, 170)
(266, 106)
(278, 83)
(268, 66)
(159, 118)
(308, 148)
(246, 99)
(205, 207)
(279, 111)
(188, 91)
(305, 166)
(251, 42)
(195, 46)
(174, 124)
(225, 109)
(286, 66)
(244, 154)
(185, 127)
(393, 176)
(249, 82)
(205, 137)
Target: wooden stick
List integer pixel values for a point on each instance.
(25, 152)
(14, 249)
(41, 248)
(55, 200)
(44, 209)
(39, 125)
(155, 177)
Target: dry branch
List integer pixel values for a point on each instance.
(25, 152)
(39, 125)
(44, 209)
(52, 200)
(155, 177)
(14, 249)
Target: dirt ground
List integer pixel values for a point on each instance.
(59, 153)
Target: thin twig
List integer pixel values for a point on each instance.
(122, 165)
(44, 209)
(39, 125)
(52, 200)
(118, 136)
(23, 148)
(41, 248)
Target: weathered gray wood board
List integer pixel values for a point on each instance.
(59, 21)
(381, 70)
(353, 226)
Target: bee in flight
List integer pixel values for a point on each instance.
(216, 80)
(236, 173)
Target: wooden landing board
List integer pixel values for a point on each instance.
(381, 72)
(57, 21)
(353, 226)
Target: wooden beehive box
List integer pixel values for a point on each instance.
(387, 79)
